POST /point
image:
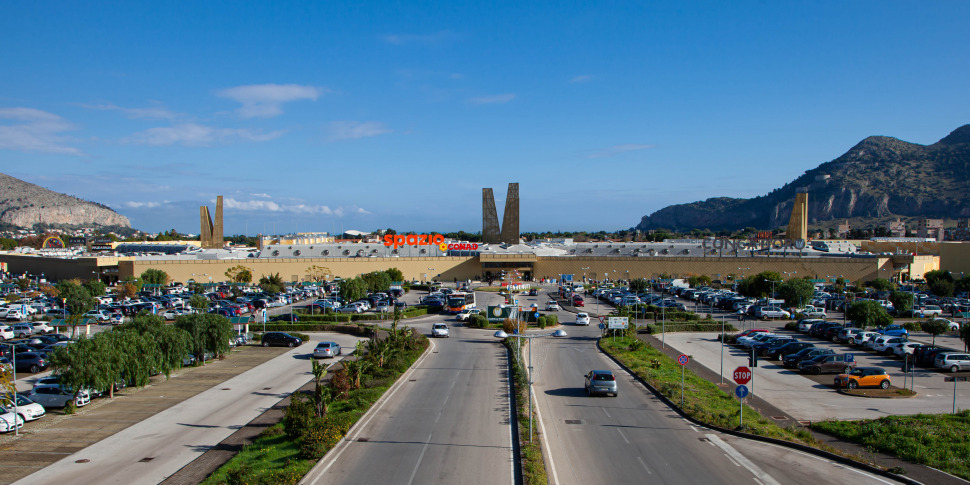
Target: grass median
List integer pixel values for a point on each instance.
(703, 400)
(285, 452)
(533, 466)
(936, 440)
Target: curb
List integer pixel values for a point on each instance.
(847, 393)
(797, 446)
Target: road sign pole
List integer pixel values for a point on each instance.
(722, 349)
(682, 388)
(954, 397)
(741, 403)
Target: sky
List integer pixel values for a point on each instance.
(330, 116)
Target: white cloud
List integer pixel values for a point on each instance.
(295, 208)
(157, 112)
(266, 100)
(618, 149)
(37, 131)
(360, 210)
(192, 134)
(265, 196)
(496, 99)
(584, 78)
(435, 38)
(146, 205)
(352, 130)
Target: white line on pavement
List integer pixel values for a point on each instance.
(737, 456)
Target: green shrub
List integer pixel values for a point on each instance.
(552, 320)
(478, 321)
(793, 326)
(688, 326)
(297, 416)
(541, 323)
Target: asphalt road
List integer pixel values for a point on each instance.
(153, 449)
(447, 421)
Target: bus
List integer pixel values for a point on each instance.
(460, 301)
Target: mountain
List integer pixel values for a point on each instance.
(23, 204)
(879, 177)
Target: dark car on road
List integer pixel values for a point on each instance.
(780, 351)
(286, 317)
(826, 364)
(280, 339)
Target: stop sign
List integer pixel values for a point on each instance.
(742, 375)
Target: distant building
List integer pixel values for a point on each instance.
(896, 228)
(961, 233)
(930, 229)
(844, 229)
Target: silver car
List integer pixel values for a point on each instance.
(326, 350)
(952, 361)
(440, 330)
(56, 396)
(601, 382)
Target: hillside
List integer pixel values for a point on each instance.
(23, 204)
(878, 177)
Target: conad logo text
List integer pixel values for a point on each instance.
(414, 240)
(458, 247)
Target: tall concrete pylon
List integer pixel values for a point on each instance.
(509, 231)
(211, 234)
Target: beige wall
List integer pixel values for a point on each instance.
(955, 257)
(292, 269)
(925, 247)
(853, 269)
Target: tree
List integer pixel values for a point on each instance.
(940, 282)
(796, 291)
(207, 332)
(758, 285)
(639, 285)
(199, 303)
(965, 336)
(934, 327)
(395, 274)
(239, 274)
(698, 280)
(868, 313)
(79, 301)
(902, 301)
(6, 384)
(154, 276)
(96, 287)
(126, 290)
(23, 284)
(272, 284)
(172, 343)
(377, 281)
(322, 394)
(317, 273)
(881, 284)
(353, 289)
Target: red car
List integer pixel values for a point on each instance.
(578, 301)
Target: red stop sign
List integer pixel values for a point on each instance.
(742, 375)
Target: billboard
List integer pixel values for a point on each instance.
(497, 314)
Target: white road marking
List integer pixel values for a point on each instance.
(344, 444)
(606, 413)
(644, 465)
(420, 457)
(733, 453)
(542, 429)
(618, 430)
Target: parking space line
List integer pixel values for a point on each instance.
(644, 465)
(618, 430)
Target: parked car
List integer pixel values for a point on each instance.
(440, 330)
(10, 421)
(534, 292)
(601, 382)
(22, 330)
(952, 361)
(326, 350)
(349, 309)
(767, 313)
(928, 311)
(286, 317)
(99, 315)
(762, 347)
(791, 361)
(6, 333)
(812, 312)
(582, 319)
(864, 377)
(903, 348)
(32, 362)
(280, 339)
(952, 326)
(57, 396)
(884, 344)
(28, 410)
(780, 351)
(861, 338)
(894, 330)
(805, 324)
(825, 364)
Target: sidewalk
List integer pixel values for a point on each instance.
(57, 435)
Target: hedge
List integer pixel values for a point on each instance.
(682, 326)
(411, 312)
(290, 328)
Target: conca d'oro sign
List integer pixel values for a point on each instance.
(755, 243)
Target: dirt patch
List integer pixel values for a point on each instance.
(891, 393)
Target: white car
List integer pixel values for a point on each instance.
(9, 422)
(42, 328)
(28, 410)
(552, 306)
(440, 330)
(14, 314)
(806, 325)
(884, 344)
(55, 396)
(812, 312)
(464, 315)
(768, 313)
(747, 338)
(582, 319)
(861, 338)
(99, 315)
(903, 348)
(952, 325)
(6, 333)
(923, 312)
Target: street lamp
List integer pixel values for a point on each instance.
(502, 335)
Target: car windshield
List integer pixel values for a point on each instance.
(440, 326)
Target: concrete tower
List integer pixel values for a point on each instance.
(490, 227)
(798, 224)
(510, 222)
(211, 234)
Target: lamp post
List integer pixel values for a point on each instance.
(502, 335)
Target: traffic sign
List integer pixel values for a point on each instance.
(682, 360)
(619, 322)
(742, 375)
(850, 357)
(537, 315)
(741, 391)
(602, 326)
(602, 319)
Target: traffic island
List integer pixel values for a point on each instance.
(891, 393)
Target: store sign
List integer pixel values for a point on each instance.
(755, 244)
(100, 247)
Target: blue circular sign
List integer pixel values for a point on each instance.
(741, 391)
(602, 326)
(682, 360)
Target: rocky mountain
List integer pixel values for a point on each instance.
(23, 204)
(879, 177)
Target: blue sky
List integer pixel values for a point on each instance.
(322, 116)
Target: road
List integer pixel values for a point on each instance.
(153, 449)
(447, 421)
(633, 436)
